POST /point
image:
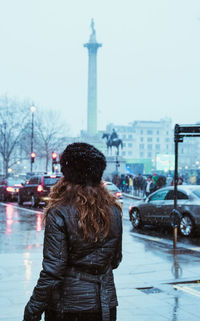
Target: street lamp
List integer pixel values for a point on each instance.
(32, 133)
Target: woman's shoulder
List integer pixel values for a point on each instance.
(116, 212)
(57, 213)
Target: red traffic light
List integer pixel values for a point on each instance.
(33, 157)
(54, 155)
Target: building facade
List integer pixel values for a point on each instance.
(144, 141)
(149, 146)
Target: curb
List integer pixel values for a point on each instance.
(132, 196)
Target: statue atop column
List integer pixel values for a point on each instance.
(92, 45)
(93, 34)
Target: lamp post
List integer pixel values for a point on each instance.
(32, 133)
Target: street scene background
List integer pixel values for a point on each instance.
(120, 76)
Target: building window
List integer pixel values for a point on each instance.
(149, 132)
(157, 146)
(130, 145)
(149, 155)
(157, 132)
(167, 133)
(149, 146)
(149, 140)
(167, 146)
(157, 140)
(141, 146)
(141, 132)
(130, 136)
(124, 136)
(167, 139)
(141, 139)
(130, 153)
(141, 154)
(123, 153)
(124, 144)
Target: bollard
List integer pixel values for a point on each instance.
(175, 218)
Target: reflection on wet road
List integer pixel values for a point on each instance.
(20, 228)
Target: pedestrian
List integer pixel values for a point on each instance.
(180, 181)
(127, 184)
(140, 184)
(131, 184)
(160, 182)
(123, 183)
(136, 185)
(150, 186)
(82, 244)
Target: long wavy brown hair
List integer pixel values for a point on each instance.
(92, 203)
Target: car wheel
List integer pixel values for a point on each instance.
(34, 203)
(19, 200)
(186, 226)
(135, 218)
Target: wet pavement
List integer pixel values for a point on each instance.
(153, 282)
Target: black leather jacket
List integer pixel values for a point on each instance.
(62, 289)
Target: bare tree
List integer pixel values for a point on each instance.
(13, 123)
(49, 133)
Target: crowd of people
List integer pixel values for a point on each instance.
(142, 185)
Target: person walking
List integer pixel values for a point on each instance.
(150, 186)
(131, 184)
(140, 185)
(82, 244)
(136, 185)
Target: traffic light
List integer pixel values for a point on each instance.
(54, 160)
(54, 157)
(33, 157)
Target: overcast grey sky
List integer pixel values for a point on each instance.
(148, 67)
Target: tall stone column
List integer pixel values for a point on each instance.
(92, 47)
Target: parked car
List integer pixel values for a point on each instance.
(114, 190)
(37, 189)
(9, 188)
(157, 207)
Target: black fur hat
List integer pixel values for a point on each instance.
(82, 164)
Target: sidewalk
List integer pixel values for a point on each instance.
(145, 282)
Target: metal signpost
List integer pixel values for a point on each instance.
(180, 131)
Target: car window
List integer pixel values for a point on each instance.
(197, 192)
(33, 180)
(112, 188)
(51, 180)
(180, 195)
(14, 181)
(159, 196)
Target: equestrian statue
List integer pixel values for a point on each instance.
(112, 140)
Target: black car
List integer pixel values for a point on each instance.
(9, 188)
(157, 207)
(37, 189)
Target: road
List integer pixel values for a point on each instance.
(149, 264)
